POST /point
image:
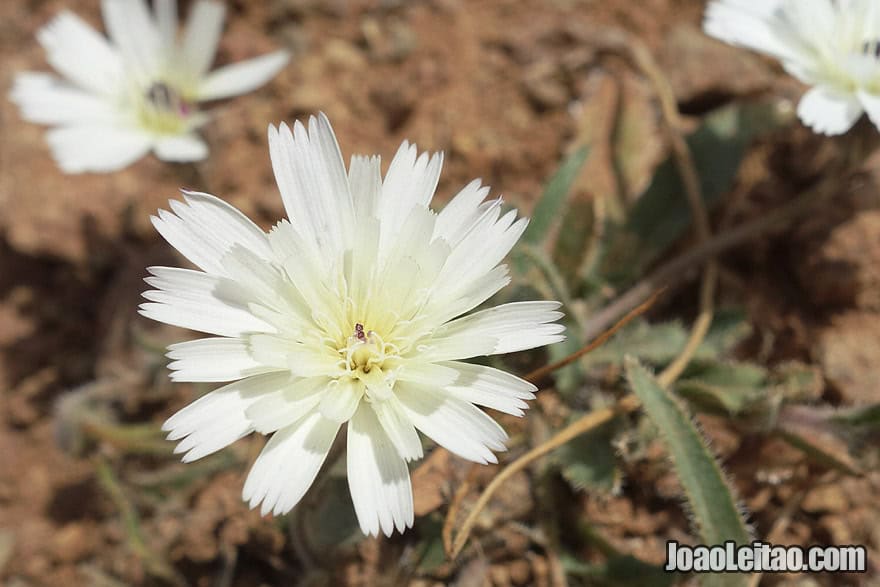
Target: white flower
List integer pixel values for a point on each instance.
(120, 98)
(351, 312)
(832, 45)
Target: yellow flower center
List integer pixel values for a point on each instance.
(371, 360)
(163, 109)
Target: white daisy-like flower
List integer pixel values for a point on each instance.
(352, 312)
(832, 45)
(118, 99)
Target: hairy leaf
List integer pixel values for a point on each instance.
(711, 501)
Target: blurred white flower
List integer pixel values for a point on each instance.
(832, 45)
(351, 312)
(119, 98)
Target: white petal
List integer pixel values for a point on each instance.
(341, 399)
(99, 149)
(82, 55)
(242, 77)
(457, 425)
(315, 277)
(181, 148)
(378, 478)
(133, 30)
(398, 427)
(365, 179)
(166, 21)
(201, 36)
(203, 228)
(288, 405)
(301, 359)
(218, 418)
(213, 359)
(409, 182)
(311, 176)
(490, 388)
(199, 301)
(460, 213)
(871, 104)
(44, 99)
(288, 464)
(265, 283)
(411, 179)
(503, 329)
(750, 24)
(494, 239)
(829, 112)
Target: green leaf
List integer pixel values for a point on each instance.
(730, 388)
(553, 201)
(730, 326)
(574, 238)
(330, 522)
(569, 379)
(589, 462)
(797, 381)
(618, 571)
(652, 343)
(429, 553)
(711, 501)
(868, 417)
(662, 214)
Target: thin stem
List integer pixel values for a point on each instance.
(539, 374)
(585, 424)
(687, 170)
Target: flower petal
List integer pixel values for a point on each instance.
(213, 359)
(133, 30)
(460, 213)
(99, 149)
(181, 148)
(314, 187)
(242, 77)
(457, 425)
(828, 111)
(377, 476)
(751, 24)
(365, 179)
(45, 99)
(490, 388)
(166, 22)
(871, 104)
(503, 329)
(398, 428)
(203, 228)
(199, 301)
(202, 35)
(218, 418)
(289, 463)
(288, 405)
(81, 54)
(341, 399)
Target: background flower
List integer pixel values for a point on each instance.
(832, 45)
(348, 313)
(137, 91)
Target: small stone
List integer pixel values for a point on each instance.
(73, 542)
(825, 498)
(849, 352)
(520, 572)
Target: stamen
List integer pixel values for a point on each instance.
(165, 98)
(871, 48)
